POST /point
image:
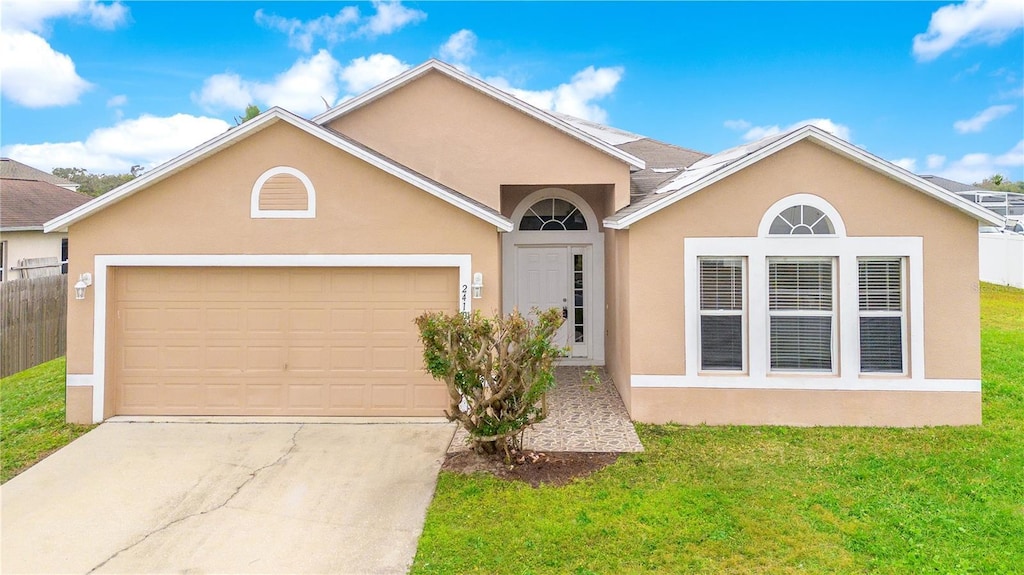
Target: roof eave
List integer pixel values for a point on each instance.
(836, 144)
(500, 95)
(260, 122)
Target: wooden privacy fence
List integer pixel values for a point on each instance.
(34, 329)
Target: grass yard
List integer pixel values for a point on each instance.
(32, 417)
(769, 499)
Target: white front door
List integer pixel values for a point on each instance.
(555, 276)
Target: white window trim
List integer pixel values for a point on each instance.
(102, 264)
(797, 200)
(743, 319)
(804, 313)
(254, 208)
(902, 314)
(846, 251)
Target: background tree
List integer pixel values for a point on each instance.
(999, 182)
(96, 184)
(251, 111)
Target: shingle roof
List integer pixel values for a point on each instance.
(15, 170)
(951, 185)
(663, 161)
(28, 204)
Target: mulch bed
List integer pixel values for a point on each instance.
(533, 467)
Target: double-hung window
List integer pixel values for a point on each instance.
(883, 317)
(801, 314)
(722, 314)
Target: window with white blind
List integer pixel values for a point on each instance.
(882, 315)
(722, 313)
(801, 314)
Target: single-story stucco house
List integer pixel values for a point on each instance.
(276, 269)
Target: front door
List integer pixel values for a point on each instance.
(555, 276)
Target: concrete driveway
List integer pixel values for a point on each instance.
(225, 498)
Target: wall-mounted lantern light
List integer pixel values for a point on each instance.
(478, 285)
(84, 281)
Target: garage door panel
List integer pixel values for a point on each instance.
(241, 341)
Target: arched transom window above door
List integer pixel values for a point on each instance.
(553, 214)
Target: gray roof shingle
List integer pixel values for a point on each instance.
(15, 170)
(28, 204)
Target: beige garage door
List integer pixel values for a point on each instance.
(274, 341)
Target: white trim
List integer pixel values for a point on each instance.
(829, 141)
(807, 383)
(257, 188)
(562, 194)
(502, 96)
(80, 379)
(846, 251)
(802, 200)
(258, 123)
(104, 262)
(592, 240)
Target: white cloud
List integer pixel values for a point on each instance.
(738, 125)
(31, 15)
(363, 73)
(982, 119)
(301, 89)
(347, 23)
(117, 101)
(838, 130)
(147, 141)
(972, 22)
(301, 34)
(390, 16)
(460, 47)
(908, 164)
(975, 167)
(34, 74)
(576, 97)
(935, 161)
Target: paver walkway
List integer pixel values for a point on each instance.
(582, 416)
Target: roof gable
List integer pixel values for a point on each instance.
(261, 122)
(455, 74)
(718, 166)
(15, 170)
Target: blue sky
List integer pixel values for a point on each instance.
(936, 87)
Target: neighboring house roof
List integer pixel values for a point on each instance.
(485, 88)
(15, 170)
(713, 168)
(258, 123)
(951, 185)
(25, 205)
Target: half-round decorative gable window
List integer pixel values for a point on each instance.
(801, 220)
(283, 192)
(553, 214)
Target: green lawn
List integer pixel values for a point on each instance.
(32, 417)
(769, 499)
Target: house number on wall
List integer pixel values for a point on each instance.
(464, 299)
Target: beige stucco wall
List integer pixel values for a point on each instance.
(474, 143)
(869, 203)
(24, 245)
(205, 210)
(696, 406)
(617, 342)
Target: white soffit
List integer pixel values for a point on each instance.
(258, 123)
(481, 86)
